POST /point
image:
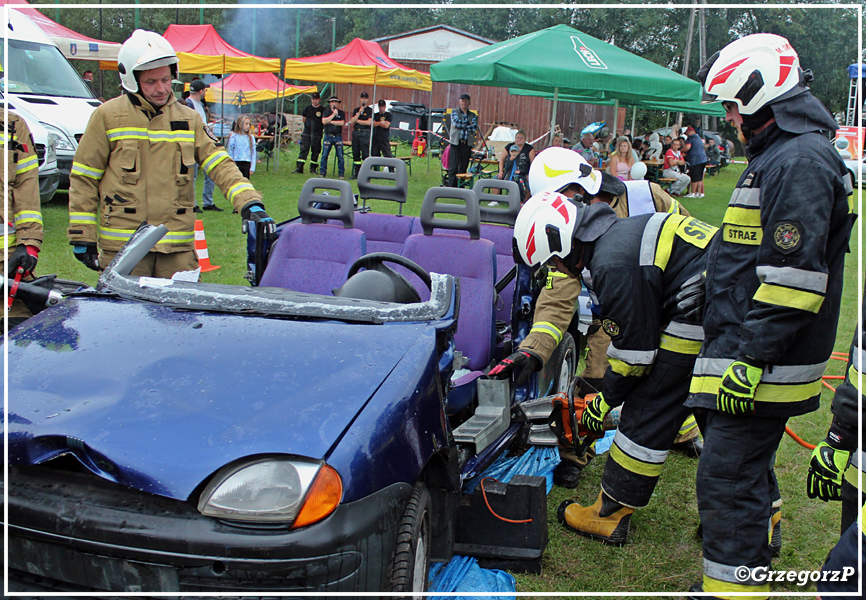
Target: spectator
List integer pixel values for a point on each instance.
(461, 139)
(242, 145)
(333, 120)
(557, 140)
(673, 168)
(516, 169)
(586, 148)
(622, 160)
(526, 154)
(714, 155)
(361, 121)
(667, 145)
(697, 159)
(382, 131)
(644, 150)
(196, 101)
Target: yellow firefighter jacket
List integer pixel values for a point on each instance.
(22, 218)
(137, 164)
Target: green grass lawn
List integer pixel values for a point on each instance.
(663, 554)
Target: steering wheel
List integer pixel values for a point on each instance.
(369, 261)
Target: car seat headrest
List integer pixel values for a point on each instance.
(387, 169)
(315, 206)
(435, 203)
(508, 199)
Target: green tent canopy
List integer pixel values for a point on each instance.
(691, 107)
(584, 67)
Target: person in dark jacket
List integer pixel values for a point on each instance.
(774, 287)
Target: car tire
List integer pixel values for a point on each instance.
(410, 565)
(565, 357)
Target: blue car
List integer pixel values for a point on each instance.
(310, 433)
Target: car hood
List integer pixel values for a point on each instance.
(71, 114)
(159, 399)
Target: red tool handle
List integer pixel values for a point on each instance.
(19, 272)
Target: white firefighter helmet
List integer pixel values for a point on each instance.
(544, 228)
(753, 71)
(144, 50)
(555, 168)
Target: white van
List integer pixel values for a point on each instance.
(45, 142)
(40, 81)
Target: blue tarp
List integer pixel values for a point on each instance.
(538, 460)
(855, 70)
(462, 574)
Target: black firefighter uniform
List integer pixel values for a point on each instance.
(22, 219)
(774, 286)
(555, 306)
(135, 164)
(638, 266)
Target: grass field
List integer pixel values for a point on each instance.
(663, 554)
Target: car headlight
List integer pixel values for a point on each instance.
(51, 149)
(273, 490)
(63, 141)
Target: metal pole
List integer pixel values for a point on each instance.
(633, 117)
(372, 100)
(56, 11)
(201, 12)
(333, 33)
(101, 72)
(136, 15)
(553, 114)
(254, 30)
(615, 118)
(297, 46)
(688, 56)
(702, 50)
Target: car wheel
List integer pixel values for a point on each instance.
(410, 565)
(566, 363)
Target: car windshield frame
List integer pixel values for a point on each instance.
(262, 301)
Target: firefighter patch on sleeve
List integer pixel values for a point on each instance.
(610, 327)
(787, 236)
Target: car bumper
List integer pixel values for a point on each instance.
(74, 532)
(48, 185)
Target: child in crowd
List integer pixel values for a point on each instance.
(516, 168)
(242, 145)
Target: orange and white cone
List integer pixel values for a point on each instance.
(201, 248)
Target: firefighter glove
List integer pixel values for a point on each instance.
(829, 461)
(87, 254)
(690, 298)
(737, 391)
(256, 213)
(521, 363)
(593, 416)
(24, 257)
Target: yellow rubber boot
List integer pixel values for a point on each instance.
(775, 533)
(587, 520)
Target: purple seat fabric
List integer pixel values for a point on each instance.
(474, 262)
(385, 233)
(313, 258)
(501, 237)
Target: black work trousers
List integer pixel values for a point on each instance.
(651, 419)
(310, 142)
(458, 161)
(736, 488)
(360, 148)
(381, 147)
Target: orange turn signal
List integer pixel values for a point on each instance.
(324, 496)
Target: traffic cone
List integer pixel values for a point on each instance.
(201, 248)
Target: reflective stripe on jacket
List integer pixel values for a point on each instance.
(774, 278)
(22, 205)
(137, 165)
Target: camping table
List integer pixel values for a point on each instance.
(654, 169)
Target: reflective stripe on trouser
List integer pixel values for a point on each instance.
(735, 497)
(651, 417)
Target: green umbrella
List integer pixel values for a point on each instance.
(562, 60)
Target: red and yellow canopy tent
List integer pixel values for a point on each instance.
(200, 49)
(360, 61)
(246, 88)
